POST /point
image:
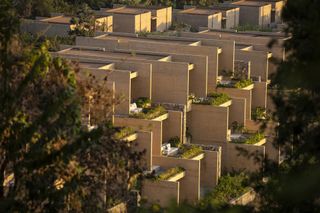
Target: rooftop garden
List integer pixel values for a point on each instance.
(189, 151)
(229, 187)
(214, 99)
(175, 141)
(143, 102)
(239, 84)
(249, 138)
(167, 174)
(123, 132)
(148, 112)
(259, 113)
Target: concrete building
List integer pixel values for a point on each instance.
(60, 25)
(129, 20)
(230, 15)
(197, 17)
(255, 13)
(161, 16)
(181, 74)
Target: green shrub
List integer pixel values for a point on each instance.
(237, 128)
(258, 113)
(229, 187)
(175, 141)
(243, 83)
(143, 102)
(123, 132)
(214, 99)
(190, 151)
(250, 139)
(239, 84)
(150, 113)
(169, 173)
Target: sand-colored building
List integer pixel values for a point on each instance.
(180, 73)
(255, 13)
(61, 25)
(128, 20)
(230, 15)
(197, 18)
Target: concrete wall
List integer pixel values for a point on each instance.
(216, 21)
(237, 111)
(124, 23)
(202, 65)
(122, 85)
(210, 169)
(259, 62)
(278, 6)
(208, 124)
(190, 184)
(226, 58)
(43, 28)
(195, 21)
(160, 192)
(249, 15)
(144, 144)
(172, 126)
(141, 85)
(259, 95)
(240, 93)
(144, 125)
(237, 160)
(143, 22)
(199, 75)
(165, 72)
(265, 14)
(164, 19)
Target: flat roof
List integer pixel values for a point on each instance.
(107, 54)
(250, 3)
(148, 40)
(92, 65)
(199, 11)
(127, 10)
(58, 20)
(247, 34)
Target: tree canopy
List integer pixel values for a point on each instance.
(49, 159)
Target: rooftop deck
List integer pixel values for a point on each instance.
(126, 10)
(109, 54)
(250, 3)
(198, 11)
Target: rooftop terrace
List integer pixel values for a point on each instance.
(76, 51)
(198, 11)
(126, 10)
(58, 20)
(250, 3)
(151, 40)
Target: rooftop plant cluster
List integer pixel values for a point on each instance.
(229, 187)
(258, 113)
(165, 175)
(250, 138)
(175, 141)
(190, 151)
(143, 102)
(239, 84)
(170, 173)
(237, 128)
(123, 132)
(148, 111)
(214, 99)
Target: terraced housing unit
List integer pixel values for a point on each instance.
(192, 99)
(209, 85)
